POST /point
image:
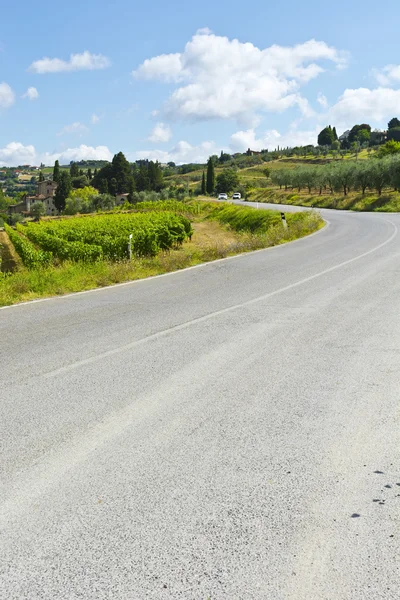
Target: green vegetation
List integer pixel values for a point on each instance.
(376, 175)
(106, 236)
(30, 256)
(210, 182)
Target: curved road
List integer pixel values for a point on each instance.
(226, 432)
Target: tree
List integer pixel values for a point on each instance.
(132, 189)
(103, 186)
(210, 183)
(41, 176)
(89, 174)
(74, 170)
(335, 135)
(122, 173)
(224, 157)
(363, 136)
(120, 170)
(354, 132)
(362, 178)
(79, 182)
(391, 147)
(155, 176)
(326, 137)
(85, 194)
(113, 187)
(203, 185)
(227, 181)
(379, 174)
(56, 172)
(63, 190)
(38, 210)
(394, 134)
(142, 178)
(393, 123)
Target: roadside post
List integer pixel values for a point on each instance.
(130, 246)
(284, 222)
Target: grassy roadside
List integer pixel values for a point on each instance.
(387, 202)
(211, 240)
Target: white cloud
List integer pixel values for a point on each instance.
(76, 127)
(94, 119)
(389, 74)
(77, 62)
(160, 133)
(228, 79)
(7, 96)
(183, 152)
(364, 105)
(31, 93)
(322, 100)
(242, 140)
(16, 153)
(81, 153)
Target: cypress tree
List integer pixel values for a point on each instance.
(203, 185)
(63, 190)
(335, 135)
(122, 173)
(210, 184)
(41, 176)
(74, 170)
(56, 172)
(89, 174)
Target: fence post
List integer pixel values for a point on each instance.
(130, 246)
(284, 222)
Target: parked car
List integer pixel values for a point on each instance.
(236, 196)
(222, 196)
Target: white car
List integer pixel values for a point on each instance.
(236, 196)
(223, 197)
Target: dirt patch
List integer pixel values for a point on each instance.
(9, 258)
(209, 233)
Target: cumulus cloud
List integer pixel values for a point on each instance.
(271, 139)
(82, 152)
(228, 79)
(31, 93)
(363, 105)
(183, 152)
(388, 75)
(16, 153)
(94, 119)
(74, 128)
(7, 96)
(160, 133)
(77, 62)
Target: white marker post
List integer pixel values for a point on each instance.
(284, 222)
(130, 246)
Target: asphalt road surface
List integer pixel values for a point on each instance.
(226, 432)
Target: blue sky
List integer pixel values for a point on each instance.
(219, 75)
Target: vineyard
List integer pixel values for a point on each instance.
(90, 239)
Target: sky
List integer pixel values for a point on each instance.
(180, 81)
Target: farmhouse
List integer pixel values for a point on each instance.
(121, 199)
(45, 193)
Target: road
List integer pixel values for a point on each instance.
(227, 432)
